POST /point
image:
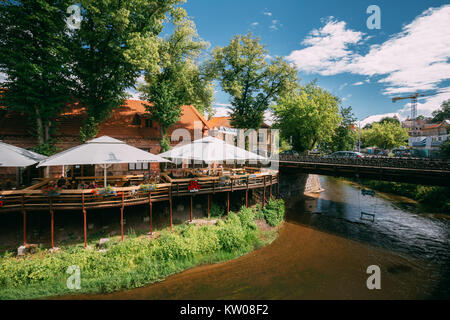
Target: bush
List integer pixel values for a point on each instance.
(274, 212)
(216, 211)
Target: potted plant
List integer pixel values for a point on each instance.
(51, 191)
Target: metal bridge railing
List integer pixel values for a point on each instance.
(374, 161)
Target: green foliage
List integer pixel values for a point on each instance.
(177, 79)
(132, 263)
(89, 129)
(35, 57)
(385, 135)
(216, 211)
(115, 42)
(445, 149)
(252, 82)
(46, 149)
(309, 115)
(436, 197)
(343, 138)
(443, 113)
(274, 212)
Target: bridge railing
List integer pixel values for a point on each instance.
(374, 161)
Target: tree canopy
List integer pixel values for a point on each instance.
(34, 55)
(178, 80)
(442, 113)
(251, 78)
(386, 135)
(115, 42)
(344, 138)
(310, 115)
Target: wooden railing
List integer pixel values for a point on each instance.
(36, 200)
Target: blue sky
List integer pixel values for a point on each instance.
(329, 40)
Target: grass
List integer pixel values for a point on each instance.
(137, 261)
(437, 198)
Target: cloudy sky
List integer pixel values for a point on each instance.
(329, 40)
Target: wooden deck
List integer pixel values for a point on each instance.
(88, 199)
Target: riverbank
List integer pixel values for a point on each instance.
(302, 263)
(432, 198)
(139, 260)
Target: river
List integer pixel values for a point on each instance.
(323, 251)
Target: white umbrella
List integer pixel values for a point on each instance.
(211, 149)
(103, 151)
(12, 156)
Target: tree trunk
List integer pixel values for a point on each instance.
(40, 129)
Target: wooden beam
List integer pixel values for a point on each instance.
(246, 198)
(228, 203)
(191, 207)
(264, 191)
(24, 221)
(121, 214)
(84, 220)
(151, 212)
(209, 204)
(170, 207)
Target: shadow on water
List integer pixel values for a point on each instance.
(398, 226)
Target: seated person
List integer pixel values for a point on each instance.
(127, 184)
(92, 185)
(61, 182)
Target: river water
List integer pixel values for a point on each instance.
(323, 251)
(399, 226)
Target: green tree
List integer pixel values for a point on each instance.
(178, 80)
(117, 39)
(445, 149)
(386, 135)
(443, 113)
(344, 138)
(310, 115)
(34, 55)
(389, 120)
(252, 82)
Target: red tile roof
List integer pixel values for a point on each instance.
(119, 125)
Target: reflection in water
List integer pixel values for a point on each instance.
(396, 227)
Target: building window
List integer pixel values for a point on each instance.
(140, 166)
(148, 123)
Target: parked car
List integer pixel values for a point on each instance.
(289, 153)
(346, 154)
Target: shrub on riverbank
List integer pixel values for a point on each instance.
(136, 262)
(436, 197)
(274, 212)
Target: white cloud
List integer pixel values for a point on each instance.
(3, 77)
(415, 59)
(360, 83)
(221, 110)
(267, 13)
(275, 25)
(327, 49)
(255, 24)
(342, 86)
(346, 97)
(376, 118)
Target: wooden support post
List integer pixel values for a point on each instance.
(170, 207)
(278, 186)
(209, 204)
(84, 220)
(271, 186)
(228, 203)
(246, 198)
(52, 224)
(264, 192)
(121, 214)
(151, 212)
(24, 221)
(191, 207)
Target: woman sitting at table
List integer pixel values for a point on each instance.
(127, 184)
(92, 185)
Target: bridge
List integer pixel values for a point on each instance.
(409, 170)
